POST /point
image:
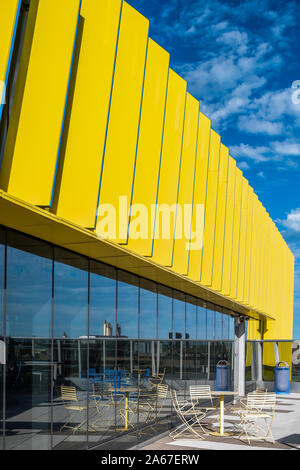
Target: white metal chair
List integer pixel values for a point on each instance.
(73, 406)
(105, 402)
(190, 418)
(202, 393)
(257, 416)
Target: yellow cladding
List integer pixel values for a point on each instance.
(100, 122)
(9, 14)
(170, 170)
(243, 240)
(77, 184)
(122, 134)
(220, 219)
(210, 209)
(229, 221)
(36, 123)
(236, 233)
(149, 145)
(249, 238)
(255, 282)
(186, 187)
(264, 262)
(195, 255)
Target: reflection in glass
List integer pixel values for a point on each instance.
(202, 360)
(201, 320)
(2, 267)
(218, 323)
(70, 347)
(103, 288)
(178, 315)
(210, 319)
(29, 366)
(148, 310)
(191, 318)
(165, 328)
(127, 305)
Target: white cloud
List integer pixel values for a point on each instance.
(257, 154)
(292, 221)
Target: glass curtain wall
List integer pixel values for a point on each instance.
(83, 339)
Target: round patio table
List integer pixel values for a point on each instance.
(222, 394)
(125, 391)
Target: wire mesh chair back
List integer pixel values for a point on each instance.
(200, 392)
(162, 391)
(261, 401)
(68, 394)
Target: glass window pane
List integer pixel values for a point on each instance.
(178, 315)
(210, 321)
(29, 359)
(191, 318)
(201, 320)
(2, 267)
(70, 295)
(103, 300)
(164, 313)
(148, 309)
(218, 322)
(70, 341)
(29, 287)
(127, 305)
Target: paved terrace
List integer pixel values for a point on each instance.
(285, 429)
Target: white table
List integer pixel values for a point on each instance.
(222, 394)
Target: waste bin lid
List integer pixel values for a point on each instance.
(279, 366)
(223, 363)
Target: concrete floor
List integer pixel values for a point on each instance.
(285, 429)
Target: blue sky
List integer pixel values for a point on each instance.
(240, 60)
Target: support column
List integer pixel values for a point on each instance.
(239, 355)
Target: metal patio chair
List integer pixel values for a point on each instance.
(105, 402)
(201, 395)
(190, 419)
(256, 416)
(73, 406)
(157, 379)
(156, 402)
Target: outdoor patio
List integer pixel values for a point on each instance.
(285, 431)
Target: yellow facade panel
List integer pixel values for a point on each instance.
(169, 177)
(229, 222)
(77, 184)
(36, 123)
(259, 252)
(218, 252)
(243, 241)
(264, 261)
(253, 267)
(149, 149)
(122, 134)
(248, 252)
(210, 209)
(186, 187)
(236, 233)
(201, 171)
(9, 15)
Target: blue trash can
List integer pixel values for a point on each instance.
(222, 376)
(282, 378)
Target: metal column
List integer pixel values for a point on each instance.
(239, 355)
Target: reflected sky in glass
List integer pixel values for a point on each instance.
(29, 291)
(70, 296)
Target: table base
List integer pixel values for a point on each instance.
(222, 434)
